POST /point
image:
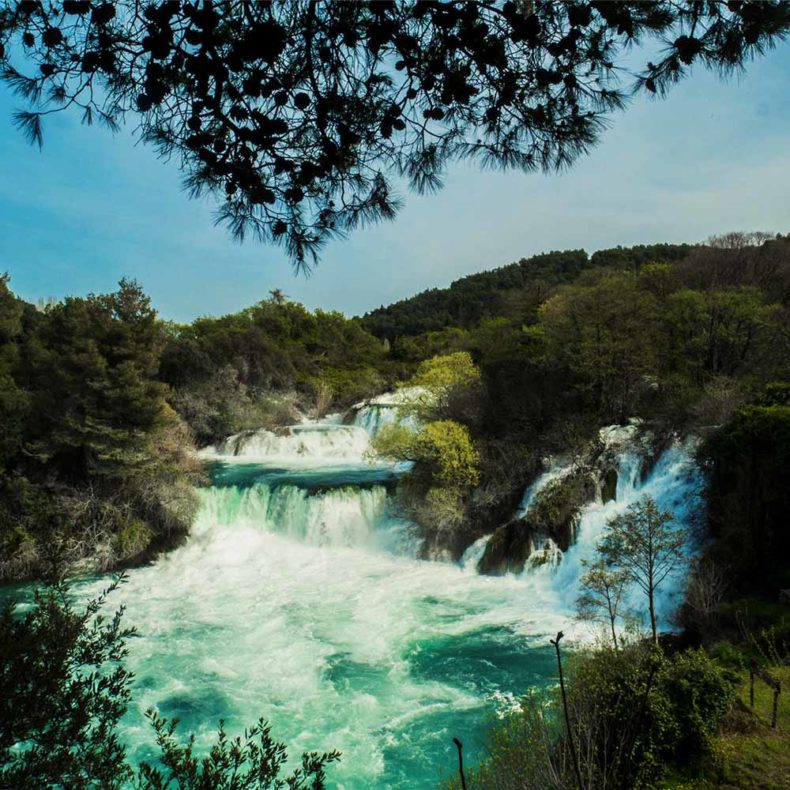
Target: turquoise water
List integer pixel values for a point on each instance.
(330, 634)
(298, 598)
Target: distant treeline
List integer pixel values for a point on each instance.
(492, 293)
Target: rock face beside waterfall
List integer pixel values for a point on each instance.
(546, 522)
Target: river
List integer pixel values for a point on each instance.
(298, 598)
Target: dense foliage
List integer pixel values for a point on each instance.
(102, 402)
(299, 116)
(63, 691)
(749, 491)
(232, 373)
(634, 713)
(95, 463)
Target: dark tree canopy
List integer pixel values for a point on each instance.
(299, 115)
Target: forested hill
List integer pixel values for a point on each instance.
(102, 402)
(516, 288)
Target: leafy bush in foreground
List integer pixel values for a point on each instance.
(633, 712)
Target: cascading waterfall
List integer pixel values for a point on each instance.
(387, 409)
(344, 516)
(373, 417)
(674, 482)
(340, 517)
(298, 597)
(324, 443)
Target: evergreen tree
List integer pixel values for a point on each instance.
(299, 115)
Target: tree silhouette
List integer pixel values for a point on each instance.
(300, 115)
(601, 595)
(647, 544)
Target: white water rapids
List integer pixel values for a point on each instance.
(298, 598)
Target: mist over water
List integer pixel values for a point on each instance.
(298, 598)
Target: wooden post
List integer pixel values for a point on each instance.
(556, 643)
(460, 748)
(777, 692)
(770, 681)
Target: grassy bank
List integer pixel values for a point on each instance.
(747, 753)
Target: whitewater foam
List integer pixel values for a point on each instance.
(296, 445)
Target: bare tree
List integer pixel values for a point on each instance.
(739, 239)
(602, 594)
(647, 544)
(705, 591)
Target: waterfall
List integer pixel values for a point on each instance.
(675, 483)
(345, 516)
(373, 417)
(295, 445)
(472, 556)
(387, 409)
(556, 472)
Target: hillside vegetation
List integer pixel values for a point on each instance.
(104, 400)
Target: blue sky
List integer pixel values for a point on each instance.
(93, 207)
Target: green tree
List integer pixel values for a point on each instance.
(92, 365)
(635, 714)
(298, 116)
(717, 332)
(748, 462)
(647, 544)
(14, 401)
(446, 464)
(443, 452)
(63, 690)
(605, 332)
(252, 762)
(439, 380)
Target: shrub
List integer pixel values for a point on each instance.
(63, 691)
(633, 713)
